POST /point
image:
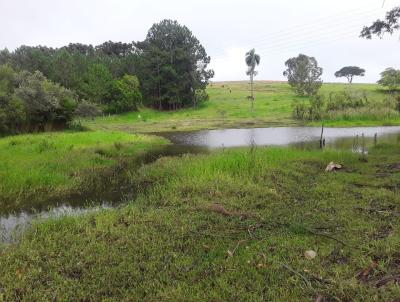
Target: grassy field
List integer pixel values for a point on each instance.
(230, 226)
(36, 167)
(228, 108)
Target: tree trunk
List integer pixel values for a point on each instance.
(252, 92)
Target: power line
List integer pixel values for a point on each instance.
(302, 33)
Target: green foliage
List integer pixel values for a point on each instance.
(389, 25)
(7, 81)
(303, 74)
(125, 95)
(87, 110)
(172, 65)
(252, 60)
(390, 78)
(88, 71)
(97, 83)
(28, 102)
(344, 105)
(350, 72)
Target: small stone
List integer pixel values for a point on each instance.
(310, 255)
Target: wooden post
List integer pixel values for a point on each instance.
(321, 140)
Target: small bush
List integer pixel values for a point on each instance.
(345, 105)
(87, 110)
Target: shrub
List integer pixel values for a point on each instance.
(29, 102)
(345, 105)
(125, 95)
(87, 110)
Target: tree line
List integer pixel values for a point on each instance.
(167, 71)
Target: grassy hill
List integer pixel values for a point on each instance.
(228, 107)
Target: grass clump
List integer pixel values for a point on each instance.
(229, 226)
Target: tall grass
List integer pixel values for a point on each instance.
(57, 162)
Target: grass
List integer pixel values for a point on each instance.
(228, 226)
(228, 108)
(35, 167)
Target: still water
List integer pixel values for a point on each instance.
(12, 224)
(307, 137)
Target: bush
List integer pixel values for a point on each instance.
(346, 99)
(29, 102)
(299, 109)
(87, 110)
(125, 95)
(345, 105)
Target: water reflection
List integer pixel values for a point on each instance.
(12, 225)
(307, 137)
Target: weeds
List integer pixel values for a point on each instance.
(229, 226)
(345, 105)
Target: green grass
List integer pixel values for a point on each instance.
(228, 107)
(171, 245)
(43, 165)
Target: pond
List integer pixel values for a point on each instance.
(299, 137)
(11, 224)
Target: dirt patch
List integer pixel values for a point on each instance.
(388, 168)
(382, 232)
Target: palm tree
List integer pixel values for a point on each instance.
(252, 60)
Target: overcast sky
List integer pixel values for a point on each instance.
(278, 30)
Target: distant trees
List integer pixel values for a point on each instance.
(28, 102)
(252, 60)
(350, 72)
(91, 72)
(389, 25)
(303, 74)
(168, 70)
(390, 78)
(172, 66)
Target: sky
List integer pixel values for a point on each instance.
(325, 29)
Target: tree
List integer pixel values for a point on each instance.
(63, 70)
(172, 65)
(46, 104)
(96, 84)
(7, 80)
(252, 60)
(125, 95)
(389, 25)
(390, 78)
(349, 72)
(303, 74)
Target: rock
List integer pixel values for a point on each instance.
(333, 167)
(310, 255)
